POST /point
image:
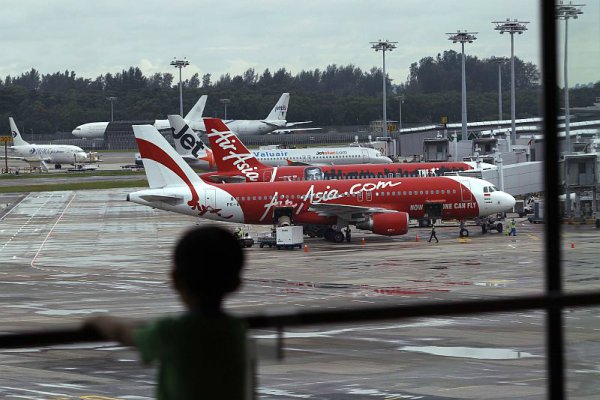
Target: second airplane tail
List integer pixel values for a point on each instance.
(279, 112)
(17, 139)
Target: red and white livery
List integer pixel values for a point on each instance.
(382, 206)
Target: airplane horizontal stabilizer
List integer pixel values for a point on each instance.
(227, 178)
(172, 200)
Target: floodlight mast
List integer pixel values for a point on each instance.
(225, 102)
(512, 27)
(111, 99)
(384, 45)
(565, 12)
(463, 37)
(499, 61)
(180, 64)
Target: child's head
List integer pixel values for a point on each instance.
(207, 263)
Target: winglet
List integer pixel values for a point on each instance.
(17, 139)
(231, 155)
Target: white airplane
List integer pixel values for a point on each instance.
(274, 123)
(56, 154)
(186, 140)
(94, 130)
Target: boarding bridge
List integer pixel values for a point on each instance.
(517, 179)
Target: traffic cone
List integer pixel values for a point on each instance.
(572, 245)
(306, 248)
(417, 237)
(362, 241)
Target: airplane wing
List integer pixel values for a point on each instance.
(347, 212)
(292, 130)
(227, 178)
(291, 124)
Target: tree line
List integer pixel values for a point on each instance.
(336, 95)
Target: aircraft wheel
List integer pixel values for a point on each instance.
(338, 237)
(464, 232)
(57, 166)
(499, 227)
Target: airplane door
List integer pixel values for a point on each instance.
(210, 198)
(365, 156)
(267, 176)
(465, 192)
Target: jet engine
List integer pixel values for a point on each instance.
(389, 224)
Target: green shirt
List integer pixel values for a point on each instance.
(200, 357)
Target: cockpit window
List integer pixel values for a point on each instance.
(485, 189)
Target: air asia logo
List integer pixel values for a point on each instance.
(238, 160)
(188, 140)
(313, 196)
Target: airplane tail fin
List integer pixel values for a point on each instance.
(280, 110)
(196, 112)
(231, 155)
(187, 142)
(163, 166)
(17, 139)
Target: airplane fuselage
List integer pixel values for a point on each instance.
(348, 171)
(254, 127)
(55, 154)
(459, 197)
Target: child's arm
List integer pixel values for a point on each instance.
(114, 328)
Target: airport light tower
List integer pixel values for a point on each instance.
(463, 37)
(565, 12)
(225, 102)
(400, 101)
(499, 61)
(512, 27)
(111, 99)
(180, 64)
(383, 46)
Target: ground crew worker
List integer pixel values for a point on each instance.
(513, 228)
(433, 235)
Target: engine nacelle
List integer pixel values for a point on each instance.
(389, 224)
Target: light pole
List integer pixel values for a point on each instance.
(111, 99)
(384, 46)
(564, 12)
(512, 27)
(463, 37)
(499, 61)
(400, 101)
(225, 102)
(180, 64)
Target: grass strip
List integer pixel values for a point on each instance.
(52, 187)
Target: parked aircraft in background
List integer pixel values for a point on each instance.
(382, 206)
(308, 156)
(96, 130)
(43, 154)
(235, 163)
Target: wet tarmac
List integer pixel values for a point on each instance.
(67, 255)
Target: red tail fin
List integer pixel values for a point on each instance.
(229, 152)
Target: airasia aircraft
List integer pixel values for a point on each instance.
(235, 163)
(382, 206)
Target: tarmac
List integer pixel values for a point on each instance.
(68, 255)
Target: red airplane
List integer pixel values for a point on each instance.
(382, 206)
(235, 163)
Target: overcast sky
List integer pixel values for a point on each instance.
(217, 37)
